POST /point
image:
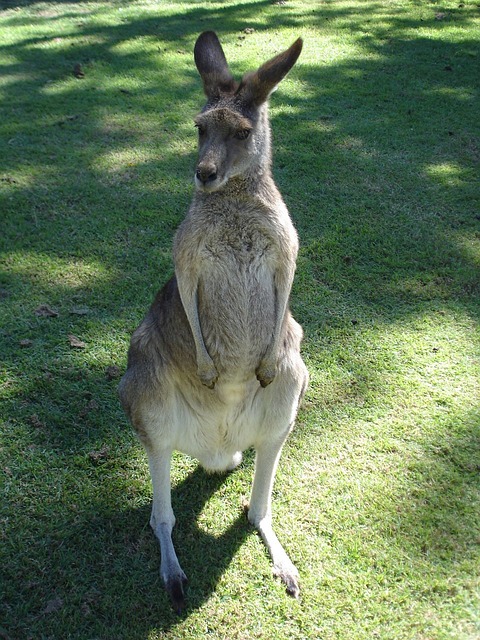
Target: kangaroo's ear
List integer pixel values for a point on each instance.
(212, 66)
(256, 87)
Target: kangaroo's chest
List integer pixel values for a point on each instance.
(236, 291)
(238, 242)
(239, 238)
(238, 260)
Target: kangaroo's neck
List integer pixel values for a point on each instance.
(255, 188)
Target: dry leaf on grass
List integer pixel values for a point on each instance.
(91, 406)
(80, 311)
(44, 311)
(75, 342)
(112, 372)
(53, 605)
(101, 454)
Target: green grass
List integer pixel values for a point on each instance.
(377, 148)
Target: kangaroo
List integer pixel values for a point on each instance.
(215, 366)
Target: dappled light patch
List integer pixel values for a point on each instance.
(450, 174)
(470, 247)
(68, 272)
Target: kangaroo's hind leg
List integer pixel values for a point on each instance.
(162, 522)
(282, 399)
(260, 514)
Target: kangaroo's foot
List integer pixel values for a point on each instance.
(174, 585)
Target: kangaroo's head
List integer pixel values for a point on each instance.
(233, 126)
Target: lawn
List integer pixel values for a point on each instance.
(376, 150)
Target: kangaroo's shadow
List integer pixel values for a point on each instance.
(203, 556)
(101, 566)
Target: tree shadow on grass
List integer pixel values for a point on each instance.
(404, 88)
(387, 224)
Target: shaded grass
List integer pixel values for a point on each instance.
(376, 138)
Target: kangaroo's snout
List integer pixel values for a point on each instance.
(206, 173)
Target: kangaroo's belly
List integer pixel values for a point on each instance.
(215, 432)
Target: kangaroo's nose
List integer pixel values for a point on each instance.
(207, 173)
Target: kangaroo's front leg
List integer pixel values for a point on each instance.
(259, 513)
(267, 368)
(188, 289)
(162, 522)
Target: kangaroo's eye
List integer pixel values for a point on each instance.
(242, 134)
(200, 129)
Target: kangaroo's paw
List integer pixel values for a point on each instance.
(208, 375)
(265, 373)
